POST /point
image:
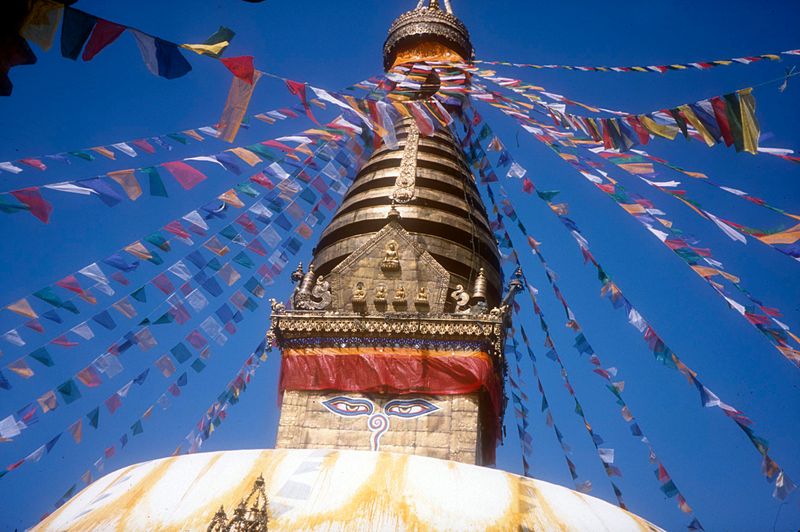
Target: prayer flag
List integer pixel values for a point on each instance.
(75, 30)
(69, 391)
(127, 180)
(235, 107)
(94, 417)
(89, 377)
(48, 402)
(42, 23)
(187, 176)
(32, 198)
(241, 67)
(23, 308)
(103, 34)
(162, 58)
(76, 430)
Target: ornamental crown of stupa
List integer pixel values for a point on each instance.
(426, 25)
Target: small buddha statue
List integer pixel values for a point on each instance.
(380, 294)
(391, 261)
(422, 296)
(400, 293)
(359, 294)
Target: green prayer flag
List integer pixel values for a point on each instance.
(156, 184)
(94, 417)
(734, 112)
(69, 391)
(43, 357)
(139, 295)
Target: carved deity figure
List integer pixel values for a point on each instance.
(390, 262)
(380, 294)
(359, 294)
(400, 293)
(422, 295)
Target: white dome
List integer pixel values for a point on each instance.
(333, 490)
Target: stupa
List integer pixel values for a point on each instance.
(392, 368)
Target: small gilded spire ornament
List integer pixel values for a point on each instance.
(250, 515)
(479, 290)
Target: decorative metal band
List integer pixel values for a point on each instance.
(288, 325)
(405, 184)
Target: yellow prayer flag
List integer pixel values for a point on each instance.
(750, 129)
(246, 155)
(688, 113)
(633, 208)
(127, 180)
(402, 109)
(236, 106)
(231, 198)
(48, 402)
(790, 236)
(214, 50)
(707, 272)
(138, 250)
(303, 148)
(194, 134)
(42, 23)
(23, 308)
(662, 130)
(105, 152)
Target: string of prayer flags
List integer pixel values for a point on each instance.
(553, 354)
(658, 69)
(212, 417)
(149, 145)
(519, 397)
(581, 486)
(144, 339)
(782, 241)
(640, 208)
(583, 347)
(112, 404)
(728, 119)
(669, 358)
(186, 175)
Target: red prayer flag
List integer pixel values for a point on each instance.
(719, 106)
(241, 67)
(89, 377)
(103, 34)
(35, 325)
(35, 163)
(143, 144)
(113, 403)
(40, 207)
(262, 180)
(63, 341)
(299, 89)
(177, 229)
(187, 176)
(527, 185)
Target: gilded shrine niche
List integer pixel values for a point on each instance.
(389, 273)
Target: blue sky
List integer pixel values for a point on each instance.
(59, 105)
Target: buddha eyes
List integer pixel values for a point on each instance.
(347, 406)
(404, 408)
(408, 408)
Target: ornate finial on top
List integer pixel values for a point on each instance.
(427, 32)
